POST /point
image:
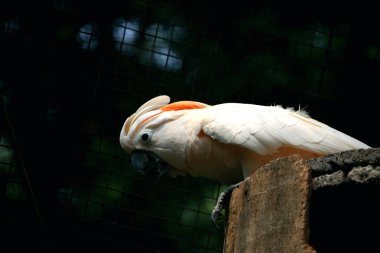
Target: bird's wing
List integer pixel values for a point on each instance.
(264, 129)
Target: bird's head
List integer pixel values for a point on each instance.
(154, 138)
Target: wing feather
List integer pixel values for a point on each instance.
(264, 129)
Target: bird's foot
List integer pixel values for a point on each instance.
(221, 203)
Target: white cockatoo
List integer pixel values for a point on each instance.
(224, 142)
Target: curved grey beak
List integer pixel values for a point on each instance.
(148, 163)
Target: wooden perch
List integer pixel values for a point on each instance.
(269, 210)
(360, 166)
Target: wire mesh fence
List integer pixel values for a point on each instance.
(72, 72)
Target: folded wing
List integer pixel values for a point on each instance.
(265, 129)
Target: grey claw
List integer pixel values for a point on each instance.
(216, 215)
(221, 203)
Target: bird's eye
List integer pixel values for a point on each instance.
(144, 136)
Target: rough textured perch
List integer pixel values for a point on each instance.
(269, 211)
(361, 166)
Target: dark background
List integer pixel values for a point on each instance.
(72, 72)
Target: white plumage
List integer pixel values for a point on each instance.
(226, 142)
(264, 129)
